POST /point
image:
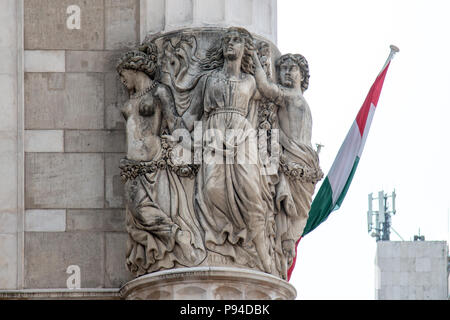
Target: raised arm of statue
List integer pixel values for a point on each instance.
(266, 88)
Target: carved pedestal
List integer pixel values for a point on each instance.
(207, 283)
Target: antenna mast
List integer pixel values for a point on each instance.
(381, 227)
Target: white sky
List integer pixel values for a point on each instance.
(346, 43)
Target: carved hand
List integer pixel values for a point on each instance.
(256, 58)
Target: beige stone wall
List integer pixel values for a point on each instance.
(74, 139)
(61, 135)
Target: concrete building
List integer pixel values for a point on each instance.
(411, 270)
(61, 134)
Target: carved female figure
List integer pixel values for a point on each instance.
(232, 198)
(163, 231)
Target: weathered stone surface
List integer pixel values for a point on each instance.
(258, 16)
(114, 186)
(96, 220)
(61, 294)
(7, 56)
(116, 273)
(210, 11)
(45, 220)
(8, 110)
(9, 155)
(43, 32)
(179, 13)
(64, 180)
(121, 24)
(91, 61)
(8, 261)
(8, 222)
(44, 141)
(8, 22)
(411, 270)
(208, 283)
(115, 96)
(94, 141)
(48, 254)
(45, 61)
(152, 16)
(263, 15)
(8, 172)
(79, 105)
(240, 12)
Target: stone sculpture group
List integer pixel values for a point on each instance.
(219, 170)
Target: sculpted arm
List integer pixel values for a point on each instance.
(125, 110)
(266, 88)
(168, 109)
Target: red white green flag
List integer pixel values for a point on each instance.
(335, 186)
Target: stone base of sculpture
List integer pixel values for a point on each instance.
(208, 283)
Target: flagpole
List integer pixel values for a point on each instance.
(394, 50)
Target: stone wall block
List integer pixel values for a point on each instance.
(44, 141)
(107, 220)
(8, 172)
(49, 254)
(8, 120)
(45, 220)
(94, 141)
(114, 186)
(7, 56)
(8, 261)
(8, 222)
(45, 60)
(78, 105)
(121, 25)
(115, 96)
(45, 25)
(92, 61)
(64, 180)
(116, 272)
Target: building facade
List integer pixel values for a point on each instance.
(62, 135)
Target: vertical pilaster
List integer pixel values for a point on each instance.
(11, 143)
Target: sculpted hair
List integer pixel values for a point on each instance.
(214, 56)
(145, 59)
(302, 64)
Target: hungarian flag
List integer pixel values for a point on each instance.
(335, 186)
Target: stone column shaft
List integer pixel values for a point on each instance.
(257, 16)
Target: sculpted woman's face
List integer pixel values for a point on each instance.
(127, 77)
(233, 46)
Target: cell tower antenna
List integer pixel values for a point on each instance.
(381, 227)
